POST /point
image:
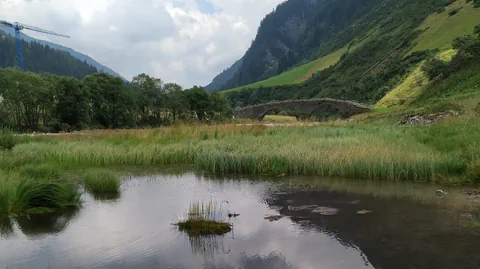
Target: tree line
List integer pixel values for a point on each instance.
(39, 58)
(51, 103)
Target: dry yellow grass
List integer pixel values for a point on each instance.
(411, 87)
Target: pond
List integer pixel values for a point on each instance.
(314, 223)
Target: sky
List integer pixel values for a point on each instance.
(184, 41)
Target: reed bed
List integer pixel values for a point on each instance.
(356, 151)
(102, 181)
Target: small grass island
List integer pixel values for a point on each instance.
(203, 219)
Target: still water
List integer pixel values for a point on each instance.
(408, 227)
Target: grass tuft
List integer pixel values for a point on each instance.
(102, 181)
(35, 197)
(203, 219)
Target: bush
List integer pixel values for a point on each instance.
(453, 12)
(434, 68)
(7, 140)
(102, 181)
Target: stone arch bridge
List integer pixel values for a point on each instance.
(302, 109)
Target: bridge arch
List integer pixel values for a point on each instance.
(301, 108)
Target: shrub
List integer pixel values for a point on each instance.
(102, 181)
(7, 140)
(434, 68)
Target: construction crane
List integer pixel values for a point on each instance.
(20, 26)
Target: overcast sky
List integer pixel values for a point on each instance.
(183, 41)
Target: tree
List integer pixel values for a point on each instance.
(27, 96)
(468, 46)
(72, 103)
(150, 97)
(113, 104)
(176, 101)
(219, 107)
(198, 102)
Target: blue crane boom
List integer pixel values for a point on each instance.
(20, 26)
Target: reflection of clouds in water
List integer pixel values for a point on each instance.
(136, 232)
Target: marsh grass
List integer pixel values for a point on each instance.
(204, 219)
(366, 151)
(41, 171)
(35, 196)
(102, 182)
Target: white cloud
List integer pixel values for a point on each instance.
(170, 39)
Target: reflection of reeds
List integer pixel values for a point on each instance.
(206, 245)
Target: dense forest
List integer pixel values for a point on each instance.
(349, 80)
(38, 58)
(50, 103)
(299, 31)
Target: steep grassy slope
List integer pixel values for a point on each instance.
(440, 29)
(298, 74)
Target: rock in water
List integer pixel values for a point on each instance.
(273, 218)
(301, 208)
(326, 211)
(363, 212)
(441, 193)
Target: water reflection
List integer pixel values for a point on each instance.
(106, 197)
(135, 230)
(6, 227)
(46, 224)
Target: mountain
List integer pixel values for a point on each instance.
(82, 57)
(350, 49)
(220, 80)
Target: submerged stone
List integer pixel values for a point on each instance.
(273, 218)
(364, 212)
(302, 207)
(326, 211)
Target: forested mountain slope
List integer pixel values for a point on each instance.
(370, 55)
(82, 57)
(42, 59)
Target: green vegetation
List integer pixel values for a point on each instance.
(47, 103)
(7, 140)
(102, 181)
(394, 39)
(279, 119)
(439, 29)
(41, 171)
(202, 220)
(28, 196)
(366, 151)
(298, 74)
